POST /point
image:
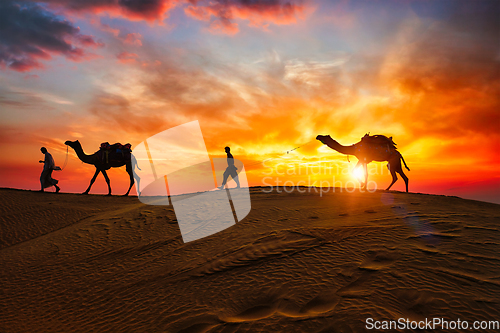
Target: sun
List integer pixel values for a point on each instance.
(358, 173)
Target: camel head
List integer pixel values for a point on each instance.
(72, 144)
(324, 138)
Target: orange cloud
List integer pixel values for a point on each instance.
(118, 112)
(436, 94)
(258, 13)
(135, 10)
(442, 111)
(127, 58)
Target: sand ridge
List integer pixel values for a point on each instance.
(299, 262)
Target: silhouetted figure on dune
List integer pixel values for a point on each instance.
(46, 179)
(230, 170)
(136, 176)
(109, 156)
(372, 148)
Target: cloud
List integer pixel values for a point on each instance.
(136, 10)
(115, 111)
(312, 73)
(22, 99)
(126, 57)
(29, 33)
(106, 27)
(133, 39)
(128, 38)
(31, 76)
(450, 74)
(220, 13)
(427, 89)
(259, 13)
(251, 105)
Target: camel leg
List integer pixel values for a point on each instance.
(394, 178)
(107, 181)
(92, 181)
(396, 167)
(404, 178)
(131, 175)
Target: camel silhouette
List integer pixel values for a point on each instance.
(372, 148)
(100, 166)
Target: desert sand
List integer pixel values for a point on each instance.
(299, 262)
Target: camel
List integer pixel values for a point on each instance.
(100, 166)
(372, 148)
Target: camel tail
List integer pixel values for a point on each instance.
(404, 162)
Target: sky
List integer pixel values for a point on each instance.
(260, 76)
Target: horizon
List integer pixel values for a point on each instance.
(262, 77)
(284, 189)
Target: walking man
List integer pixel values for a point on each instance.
(46, 179)
(230, 170)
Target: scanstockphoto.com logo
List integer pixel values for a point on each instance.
(173, 167)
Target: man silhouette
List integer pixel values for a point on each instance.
(230, 170)
(46, 179)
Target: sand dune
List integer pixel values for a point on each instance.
(299, 262)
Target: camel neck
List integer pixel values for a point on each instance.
(81, 155)
(346, 150)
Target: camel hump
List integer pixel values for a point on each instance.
(114, 153)
(107, 146)
(379, 139)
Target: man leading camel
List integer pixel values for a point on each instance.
(46, 179)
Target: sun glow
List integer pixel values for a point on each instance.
(358, 173)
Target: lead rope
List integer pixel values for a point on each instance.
(66, 161)
(288, 151)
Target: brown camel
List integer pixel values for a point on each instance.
(100, 166)
(372, 148)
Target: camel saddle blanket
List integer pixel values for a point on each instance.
(380, 140)
(114, 153)
(378, 146)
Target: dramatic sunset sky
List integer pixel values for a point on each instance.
(261, 76)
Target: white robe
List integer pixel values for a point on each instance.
(48, 163)
(46, 179)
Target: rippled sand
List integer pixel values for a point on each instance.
(299, 262)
